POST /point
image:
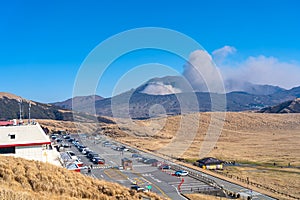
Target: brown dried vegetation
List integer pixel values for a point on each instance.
(22, 179)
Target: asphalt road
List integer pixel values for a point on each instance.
(162, 182)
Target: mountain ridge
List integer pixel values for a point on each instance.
(138, 105)
(292, 106)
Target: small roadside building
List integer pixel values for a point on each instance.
(29, 142)
(210, 163)
(127, 164)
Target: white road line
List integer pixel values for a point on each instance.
(179, 193)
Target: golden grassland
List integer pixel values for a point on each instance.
(203, 197)
(257, 139)
(29, 180)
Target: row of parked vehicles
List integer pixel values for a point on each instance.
(58, 141)
(90, 154)
(162, 166)
(114, 146)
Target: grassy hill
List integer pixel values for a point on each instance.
(9, 109)
(29, 180)
(292, 106)
(80, 100)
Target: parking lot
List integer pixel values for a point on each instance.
(143, 174)
(141, 171)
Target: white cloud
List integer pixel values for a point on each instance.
(219, 55)
(264, 70)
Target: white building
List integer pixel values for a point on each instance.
(29, 142)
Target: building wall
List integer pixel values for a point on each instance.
(38, 153)
(30, 152)
(220, 166)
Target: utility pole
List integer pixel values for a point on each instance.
(29, 107)
(20, 106)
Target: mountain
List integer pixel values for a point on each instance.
(243, 86)
(25, 179)
(139, 105)
(292, 106)
(178, 84)
(9, 109)
(173, 95)
(80, 100)
(165, 85)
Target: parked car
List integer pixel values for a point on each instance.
(66, 137)
(53, 137)
(58, 140)
(150, 161)
(107, 144)
(66, 145)
(72, 155)
(84, 150)
(81, 147)
(98, 160)
(141, 159)
(138, 188)
(123, 148)
(75, 142)
(135, 155)
(165, 166)
(181, 173)
(92, 155)
(112, 146)
(71, 139)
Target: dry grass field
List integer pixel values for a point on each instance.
(256, 139)
(203, 197)
(29, 180)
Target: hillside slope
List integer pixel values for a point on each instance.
(285, 107)
(81, 100)
(29, 180)
(9, 107)
(142, 106)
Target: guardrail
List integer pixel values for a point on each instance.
(197, 176)
(258, 185)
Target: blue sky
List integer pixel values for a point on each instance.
(43, 44)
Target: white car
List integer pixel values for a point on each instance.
(85, 150)
(181, 173)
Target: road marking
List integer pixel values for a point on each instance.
(102, 167)
(179, 193)
(107, 174)
(154, 185)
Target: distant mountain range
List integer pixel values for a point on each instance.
(172, 96)
(158, 97)
(77, 101)
(178, 84)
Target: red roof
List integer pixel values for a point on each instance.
(6, 123)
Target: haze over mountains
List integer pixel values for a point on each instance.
(169, 95)
(173, 95)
